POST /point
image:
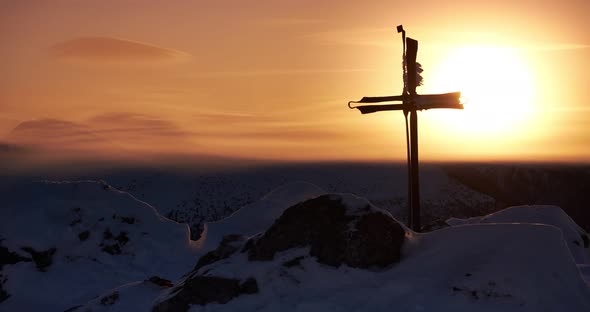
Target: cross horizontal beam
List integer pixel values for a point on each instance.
(417, 102)
(378, 99)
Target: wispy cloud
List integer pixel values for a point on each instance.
(105, 131)
(107, 49)
(130, 125)
(52, 132)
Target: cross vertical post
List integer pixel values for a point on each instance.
(411, 104)
(411, 84)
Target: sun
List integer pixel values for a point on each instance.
(497, 89)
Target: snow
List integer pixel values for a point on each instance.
(519, 259)
(513, 267)
(129, 297)
(193, 196)
(257, 217)
(45, 215)
(540, 214)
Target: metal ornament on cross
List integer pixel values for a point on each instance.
(411, 103)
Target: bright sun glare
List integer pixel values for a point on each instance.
(496, 85)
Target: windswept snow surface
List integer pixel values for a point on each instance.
(257, 217)
(576, 238)
(507, 267)
(479, 267)
(102, 237)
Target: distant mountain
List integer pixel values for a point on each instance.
(566, 186)
(195, 197)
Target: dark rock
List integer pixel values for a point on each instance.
(369, 239)
(112, 249)
(317, 222)
(585, 239)
(377, 241)
(74, 308)
(202, 290)
(122, 238)
(160, 281)
(248, 245)
(434, 225)
(128, 220)
(42, 259)
(84, 235)
(110, 299)
(229, 245)
(9, 257)
(107, 234)
(3, 294)
(293, 262)
(250, 286)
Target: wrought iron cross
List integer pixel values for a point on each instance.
(411, 104)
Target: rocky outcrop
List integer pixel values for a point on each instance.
(361, 239)
(3, 293)
(202, 290)
(43, 259)
(10, 257)
(338, 229)
(228, 246)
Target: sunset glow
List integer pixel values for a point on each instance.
(497, 89)
(271, 80)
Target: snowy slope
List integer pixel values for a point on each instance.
(257, 217)
(195, 197)
(509, 267)
(479, 267)
(576, 238)
(83, 238)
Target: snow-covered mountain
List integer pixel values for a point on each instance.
(86, 246)
(197, 196)
(566, 186)
(61, 243)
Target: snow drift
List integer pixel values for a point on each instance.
(257, 217)
(76, 239)
(509, 261)
(576, 238)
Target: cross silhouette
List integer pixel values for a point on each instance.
(411, 104)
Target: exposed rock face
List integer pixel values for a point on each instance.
(3, 294)
(10, 257)
(199, 289)
(162, 282)
(203, 290)
(362, 239)
(42, 259)
(228, 246)
(337, 230)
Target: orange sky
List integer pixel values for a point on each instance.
(271, 79)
